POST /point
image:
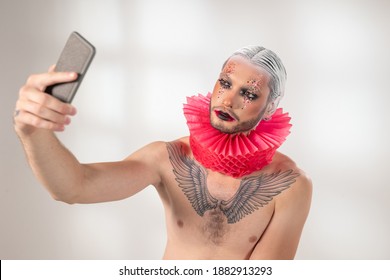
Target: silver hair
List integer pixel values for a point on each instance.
(269, 61)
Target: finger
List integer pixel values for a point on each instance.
(42, 81)
(52, 68)
(42, 112)
(46, 100)
(25, 117)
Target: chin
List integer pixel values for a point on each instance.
(226, 127)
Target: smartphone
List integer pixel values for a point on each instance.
(76, 57)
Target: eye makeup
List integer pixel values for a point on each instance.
(225, 83)
(254, 85)
(246, 102)
(249, 90)
(250, 93)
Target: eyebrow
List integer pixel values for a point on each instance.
(254, 86)
(225, 76)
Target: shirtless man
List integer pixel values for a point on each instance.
(223, 198)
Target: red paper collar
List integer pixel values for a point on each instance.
(235, 155)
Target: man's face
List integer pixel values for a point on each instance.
(240, 96)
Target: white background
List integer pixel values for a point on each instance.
(150, 56)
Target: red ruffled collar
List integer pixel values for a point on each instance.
(235, 155)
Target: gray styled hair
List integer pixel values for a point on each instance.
(270, 62)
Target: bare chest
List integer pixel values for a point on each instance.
(214, 210)
(235, 215)
(209, 207)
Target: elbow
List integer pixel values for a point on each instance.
(67, 201)
(67, 191)
(65, 198)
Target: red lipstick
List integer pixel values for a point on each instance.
(224, 116)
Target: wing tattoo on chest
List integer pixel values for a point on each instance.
(253, 193)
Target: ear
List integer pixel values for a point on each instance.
(271, 108)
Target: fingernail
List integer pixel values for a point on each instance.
(67, 120)
(73, 111)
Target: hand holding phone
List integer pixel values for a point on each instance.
(76, 57)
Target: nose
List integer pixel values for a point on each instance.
(228, 99)
(227, 102)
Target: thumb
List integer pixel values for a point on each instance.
(51, 68)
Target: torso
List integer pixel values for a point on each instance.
(210, 215)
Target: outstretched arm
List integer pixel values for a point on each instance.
(38, 115)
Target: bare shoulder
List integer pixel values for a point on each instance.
(155, 153)
(300, 192)
(151, 151)
(183, 141)
(181, 144)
